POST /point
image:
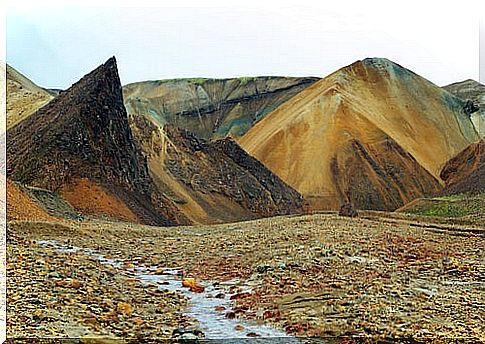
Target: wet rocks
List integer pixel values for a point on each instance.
(230, 315)
(76, 296)
(187, 334)
(192, 284)
(253, 335)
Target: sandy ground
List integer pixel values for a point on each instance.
(312, 275)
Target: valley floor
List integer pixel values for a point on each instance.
(312, 275)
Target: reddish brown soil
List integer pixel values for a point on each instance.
(21, 207)
(93, 199)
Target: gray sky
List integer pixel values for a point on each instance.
(55, 45)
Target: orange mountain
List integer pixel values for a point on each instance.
(373, 133)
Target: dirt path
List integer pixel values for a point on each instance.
(315, 275)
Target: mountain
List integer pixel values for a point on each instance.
(463, 196)
(81, 145)
(474, 91)
(84, 147)
(465, 173)
(211, 181)
(211, 108)
(373, 133)
(24, 97)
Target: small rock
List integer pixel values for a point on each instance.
(54, 274)
(38, 314)
(263, 268)
(230, 315)
(253, 334)
(239, 327)
(240, 296)
(347, 209)
(124, 308)
(192, 284)
(159, 271)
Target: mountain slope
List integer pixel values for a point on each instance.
(211, 108)
(464, 193)
(81, 145)
(465, 173)
(212, 182)
(474, 91)
(22, 207)
(24, 97)
(373, 133)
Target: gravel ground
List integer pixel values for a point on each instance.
(312, 275)
(61, 294)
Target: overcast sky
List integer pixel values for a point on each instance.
(56, 45)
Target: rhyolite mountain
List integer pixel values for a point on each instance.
(211, 181)
(372, 133)
(465, 173)
(211, 108)
(475, 92)
(23, 97)
(81, 145)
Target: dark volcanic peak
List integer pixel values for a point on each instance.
(231, 172)
(84, 132)
(81, 145)
(212, 181)
(286, 199)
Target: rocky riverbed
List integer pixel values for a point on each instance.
(313, 275)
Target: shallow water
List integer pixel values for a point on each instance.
(201, 306)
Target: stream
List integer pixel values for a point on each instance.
(201, 306)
